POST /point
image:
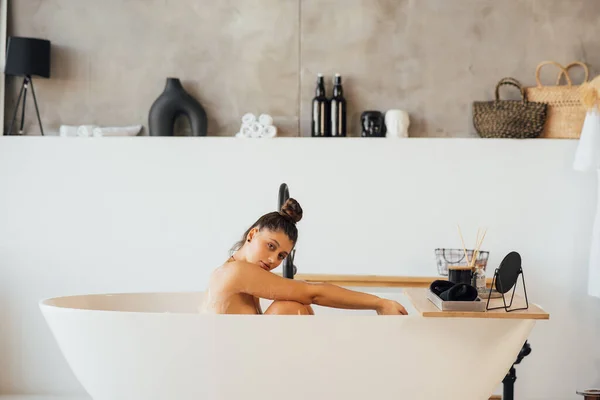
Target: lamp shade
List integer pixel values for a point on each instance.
(27, 56)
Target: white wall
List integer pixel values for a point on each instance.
(157, 214)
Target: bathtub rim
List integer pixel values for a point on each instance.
(46, 304)
(50, 303)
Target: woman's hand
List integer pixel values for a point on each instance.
(390, 307)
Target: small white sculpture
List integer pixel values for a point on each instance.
(253, 127)
(396, 123)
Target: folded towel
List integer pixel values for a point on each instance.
(86, 130)
(68, 130)
(460, 292)
(132, 130)
(246, 131)
(440, 286)
(248, 118)
(257, 130)
(449, 291)
(265, 119)
(270, 131)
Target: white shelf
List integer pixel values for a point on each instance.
(40, 397)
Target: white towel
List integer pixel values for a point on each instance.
(86, 130)
(252, 127)
(68, 130)
(257, 130)
(132, 130)
(587, 156)
(265, 119)
(270, 131)
(248, 118)
(246, 130)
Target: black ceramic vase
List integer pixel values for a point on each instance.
(173, 102)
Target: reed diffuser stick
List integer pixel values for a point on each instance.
(478, 246)
(474, 256)
(463, 243)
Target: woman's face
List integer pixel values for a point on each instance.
(267, 248)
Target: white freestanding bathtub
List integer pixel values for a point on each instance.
(155, 346)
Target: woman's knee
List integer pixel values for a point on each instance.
(289, 308)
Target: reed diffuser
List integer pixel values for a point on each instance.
(477, 270)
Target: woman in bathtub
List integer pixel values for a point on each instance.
(236, 286)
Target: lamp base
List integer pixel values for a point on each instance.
(23, 93)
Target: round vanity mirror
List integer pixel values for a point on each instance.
(508, 272)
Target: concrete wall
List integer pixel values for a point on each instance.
(429, 57)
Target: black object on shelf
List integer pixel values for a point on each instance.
(173, 102)
(338, 108)
(289, 269)
(320, 124)
(508, 392)
(589, 394)
(27, 57)
(373, 124)
(506, 278)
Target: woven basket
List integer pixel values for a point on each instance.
(516, 119)
(565, 110)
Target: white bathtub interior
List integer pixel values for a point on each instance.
(166, 302)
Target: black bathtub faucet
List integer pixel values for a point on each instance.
(289, 269)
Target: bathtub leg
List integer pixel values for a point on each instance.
(289, 308)
(511, 377)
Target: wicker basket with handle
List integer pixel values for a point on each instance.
(565, 109)
(516, 119)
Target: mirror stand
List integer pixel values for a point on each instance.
(499, 285)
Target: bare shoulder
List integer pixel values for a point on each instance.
(232, 272)
(234, 267)
(241, 274)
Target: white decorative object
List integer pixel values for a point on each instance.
(156, 346)
(261, 127)
(397, 122)
(98, 131)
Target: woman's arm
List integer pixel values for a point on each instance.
(251, 279)
(329, 295)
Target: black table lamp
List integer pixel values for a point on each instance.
(27, 57)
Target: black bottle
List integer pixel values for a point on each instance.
(338, 108)
(320, 110)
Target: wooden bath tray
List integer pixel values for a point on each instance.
(475, 306)
(419, 300)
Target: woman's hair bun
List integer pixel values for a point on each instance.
(292, 209)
